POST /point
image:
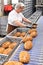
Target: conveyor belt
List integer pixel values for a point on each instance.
(36, 53)
(34, 18)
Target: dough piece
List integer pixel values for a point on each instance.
(12, 45)
(1, 50)
(28, 45)
(7, 51)
(24, 57)
(6, 44)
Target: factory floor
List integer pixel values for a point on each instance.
(1, 38)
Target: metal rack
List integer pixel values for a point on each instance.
(28, 7)
(4, 57)
(3, 24)
(39, 5)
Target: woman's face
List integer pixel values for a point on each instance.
(21, 9)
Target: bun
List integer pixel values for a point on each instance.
(24, 57)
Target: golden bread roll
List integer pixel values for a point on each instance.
(13, 63)
(27, 38)
(33, 34)
(9, 63)
(12, 45)
(28, 45)
(24, 57)
(7, 51)
(23, 34)
(32, 30)
(1, 50)
(6, 44)
(17, 34)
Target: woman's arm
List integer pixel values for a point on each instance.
(18, 23)
(26, 20)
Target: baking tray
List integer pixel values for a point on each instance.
(4, 57)
(18, 30)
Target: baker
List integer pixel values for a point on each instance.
(16, 17)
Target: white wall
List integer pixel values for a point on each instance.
(14, 1)
(5, 2)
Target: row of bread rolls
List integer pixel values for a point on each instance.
(27, 40)
(7, 47)
(32, 32)
(24, 56)
(19, 34)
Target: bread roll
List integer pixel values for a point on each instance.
(17, 34)
(6, 44)
(23, 34)
(33, 34)
(24, 57)
(12, 45)
(9, 63)
(7, 51)
(32, 30)
(1, 50)
(13, 63)
(28, 45)
(27, 38)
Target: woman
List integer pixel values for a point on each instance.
(15, 18)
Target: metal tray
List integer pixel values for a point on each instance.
(4, 57)
(17, 30)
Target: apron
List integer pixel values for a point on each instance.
(11, 28)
